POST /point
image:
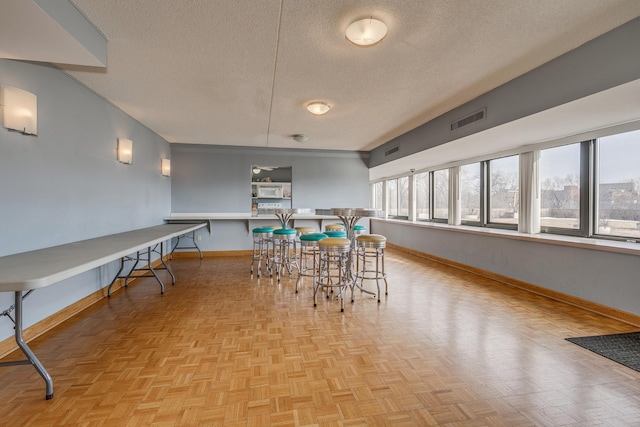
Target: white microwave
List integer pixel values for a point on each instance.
(273, 191)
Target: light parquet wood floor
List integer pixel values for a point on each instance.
(220, 348)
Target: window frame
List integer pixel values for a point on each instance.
(481, 209)
(398, 197)
(586, 183)
(432, 196)
(595, 207)
(488, 223)
(374, 195)
(428, 174)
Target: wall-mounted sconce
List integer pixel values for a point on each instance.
(165, 167)
(125, 150)
(20, 110)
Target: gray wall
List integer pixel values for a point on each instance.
(65, 184)
(603, 277)
(218, 179)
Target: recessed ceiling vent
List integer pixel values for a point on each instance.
(391, 151)
(471, 118)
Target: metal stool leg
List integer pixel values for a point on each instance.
(261, 242)
(334, 271)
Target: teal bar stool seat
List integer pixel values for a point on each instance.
(359, 229)
(309, 259)
(262, 242)
(335, 233)
(284, 251)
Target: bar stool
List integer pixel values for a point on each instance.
(334, 227)
(359, 229)
(284, 251)
(309, 254)
(262, 238)
(334, 265)
(304, 230)
(369, 246)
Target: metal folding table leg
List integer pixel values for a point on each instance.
(153, 272)
(31, 358)
(185, 236)
(166, 266)
(148, 267)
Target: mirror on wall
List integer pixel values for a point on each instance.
(270, 187)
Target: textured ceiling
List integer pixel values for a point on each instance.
(49, 31)
(239, 72)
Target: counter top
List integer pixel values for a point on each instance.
(236, 216)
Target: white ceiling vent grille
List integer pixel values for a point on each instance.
(471, 118)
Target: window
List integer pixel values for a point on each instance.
(377, 195)
(398, 194)
(560, 188)
(470, 191)
(618, 185)
(440, 192)
(392, 196)
(403, 197)
(422, 196)
(504, 194)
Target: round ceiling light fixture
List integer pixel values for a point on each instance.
(366, 32)
(318, 108)
(301, 138)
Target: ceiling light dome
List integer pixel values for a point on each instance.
(318, 108)
(366, 32)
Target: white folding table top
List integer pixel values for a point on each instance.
(44, 267)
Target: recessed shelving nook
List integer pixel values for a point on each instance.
(270, 187)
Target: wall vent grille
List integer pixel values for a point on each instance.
(391, 151)
(471, 118)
